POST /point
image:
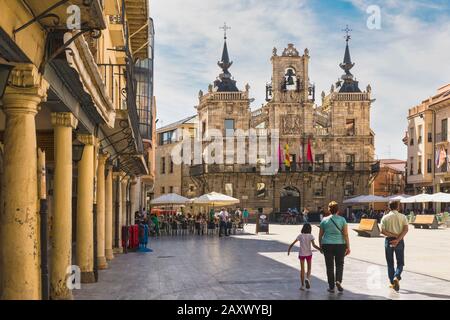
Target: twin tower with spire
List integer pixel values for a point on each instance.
(226, 83)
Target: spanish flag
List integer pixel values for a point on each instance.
(287, 156)
(309, 151)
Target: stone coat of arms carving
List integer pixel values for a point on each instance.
(290, 124)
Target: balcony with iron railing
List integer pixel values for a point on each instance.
(441, 138)
(356, 167)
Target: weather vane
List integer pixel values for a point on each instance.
(225, 28)
(347, 31)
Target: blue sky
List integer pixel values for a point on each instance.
(405, 61)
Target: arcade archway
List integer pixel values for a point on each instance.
(289, 198)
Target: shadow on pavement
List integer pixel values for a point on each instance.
(207, 267)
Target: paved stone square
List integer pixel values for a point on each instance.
(249, 266)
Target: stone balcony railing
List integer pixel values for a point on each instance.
(357, 96)
(225, 96)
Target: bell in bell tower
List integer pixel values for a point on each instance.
(290, 80)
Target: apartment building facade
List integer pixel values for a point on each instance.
(427, 139)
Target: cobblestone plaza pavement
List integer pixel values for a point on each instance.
(250, 266)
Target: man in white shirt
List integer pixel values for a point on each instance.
(223, 215)
(238, 213)
(394, 226)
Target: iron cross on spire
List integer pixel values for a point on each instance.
(347, 31)
(225, 28)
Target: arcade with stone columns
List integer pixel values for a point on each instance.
(76, 145)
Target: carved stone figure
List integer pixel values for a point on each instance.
(274, 51)
(290, 124)
(290, 51)
(200, 94)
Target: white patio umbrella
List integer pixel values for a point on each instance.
(216, 199)
(420, 198)
(440, 197)
(398, 197)
(372, 198)
(354, 199)
(170, 199)
(366, 199)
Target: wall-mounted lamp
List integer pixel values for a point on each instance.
(77, 150)
(5, 71)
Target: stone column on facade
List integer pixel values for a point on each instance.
(85, 201)
(108, 214)
(19, 222)
(438, 204)
(101, 259)
(134, 198)
(117, 214)
(61, 258)
(143, 204)
(124, 184)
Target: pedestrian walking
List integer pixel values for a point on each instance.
(305, 215)
(155, 221)
(223, 216)
(245, 215)
(306, 240)
(394, 226)
(321, 213)
(238, 213)
(335, 244)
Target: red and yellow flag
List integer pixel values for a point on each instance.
(287, 156)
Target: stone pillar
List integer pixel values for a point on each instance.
(61, 258)
(109, 214)
(85, 201)
(134, 198)
(438, 206)
(19, 222)
(101, 259)
(124, 184)
(117, 220)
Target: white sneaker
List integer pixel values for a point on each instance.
(302, 288)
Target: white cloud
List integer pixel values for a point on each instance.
(405, 61)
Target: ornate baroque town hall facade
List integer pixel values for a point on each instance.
(338, 131)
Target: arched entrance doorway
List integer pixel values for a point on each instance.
(289, 198)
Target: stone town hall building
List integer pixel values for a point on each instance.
(338, 131)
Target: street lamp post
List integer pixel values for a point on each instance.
(45, 293)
